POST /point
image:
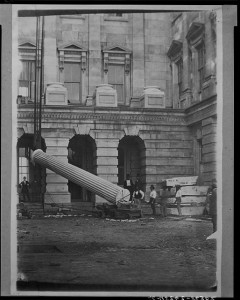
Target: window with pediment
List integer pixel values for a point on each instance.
(72, 69)
(176, 56)
(196, 40)
(116, 68)
(26, 84)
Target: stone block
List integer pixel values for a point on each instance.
(209, 157)
(169, 153)
(109, 152)
(56, 94)
(56, 187)
(209, 148)
(113, 178)
(107, 161)
(208, 177)
(107, 170)
(208, 139)
(108, 134)
(210, 128)
(57, 198)
(209, 121)
(59, 150)
(166, 161)
(56, 142)
(55, 178)
(210, 167)
(107, 143)
(172, 170)
(105, 96)
(181, 144)
(153, 97)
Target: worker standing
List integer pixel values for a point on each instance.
(153, 196)
(128, 184)
(165, 195)
(213, 205)
(25, 189)
(178, 199)
(138, 195)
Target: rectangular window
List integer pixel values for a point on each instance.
(201, 64)
(27, 79)
(72, 80)
(116, 79)
(180, 71)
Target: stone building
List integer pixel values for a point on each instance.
(125, 93)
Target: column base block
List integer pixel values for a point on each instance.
(57, 198)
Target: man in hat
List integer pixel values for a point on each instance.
(25, 189)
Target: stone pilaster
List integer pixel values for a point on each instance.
(50, 53)
(107, 159)
(138, 54)
(95, 55)
(56, 185)
(209, 149)
(209, 86)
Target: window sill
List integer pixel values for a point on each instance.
(73, 17)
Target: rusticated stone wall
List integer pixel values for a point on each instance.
(167, 141)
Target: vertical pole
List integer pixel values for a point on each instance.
(35, 89)
(41, 86)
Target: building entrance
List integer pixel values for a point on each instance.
(82, 154)
(131, 159)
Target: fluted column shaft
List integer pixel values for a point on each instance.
(91, 182)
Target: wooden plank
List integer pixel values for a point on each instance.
(189, 180)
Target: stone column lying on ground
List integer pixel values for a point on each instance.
(109, 191)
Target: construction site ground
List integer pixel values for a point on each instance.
(86, 253)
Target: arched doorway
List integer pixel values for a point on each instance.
(35, 174)
(81, 153)
(131, 159)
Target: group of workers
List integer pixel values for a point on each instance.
(136, 195)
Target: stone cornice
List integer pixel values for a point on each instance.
(148, 116)
(201, 110)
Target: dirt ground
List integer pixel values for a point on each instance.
(88, 253)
